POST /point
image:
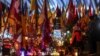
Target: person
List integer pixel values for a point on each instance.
(93, 33)
(76, 35)
(76, 40)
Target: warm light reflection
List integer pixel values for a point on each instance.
(76, 53)
(26, 38)
(16, 46)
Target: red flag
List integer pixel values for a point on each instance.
(90, 10)
(58, 12)
(71, 12)
(14, 8)
(75, 13)
(46, 24)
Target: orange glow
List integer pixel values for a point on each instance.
(26, 38)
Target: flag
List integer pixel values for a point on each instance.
(34, 20)
(63, 17)
(71, 14)
(58, 12)
(19, 38)
(70, 5)
(70, 11)
(46, 24)
(15, 16)
(36, 14)
(33, 3)
(90, 10)
(49, 11)
(75, 13)
(14, 8)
